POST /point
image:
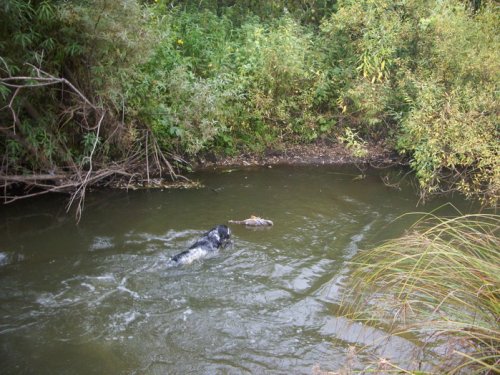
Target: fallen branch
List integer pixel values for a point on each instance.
(69, 185)
(42, 79)
(32, 177)
(90, 171)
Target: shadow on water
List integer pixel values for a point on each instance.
(97, 297)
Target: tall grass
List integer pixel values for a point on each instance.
(441, 282)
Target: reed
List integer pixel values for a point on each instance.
(441, 282)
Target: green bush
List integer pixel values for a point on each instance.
(210, 84)
(276, 69)
(452, 126)
(425, 82)
(94, 45)
(179, 92)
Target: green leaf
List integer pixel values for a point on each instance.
(4, 91)
(45, 12)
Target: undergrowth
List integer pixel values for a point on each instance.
(418, 77)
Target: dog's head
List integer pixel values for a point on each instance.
(224, 232)
(220, 235)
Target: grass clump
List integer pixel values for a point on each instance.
(440, 282)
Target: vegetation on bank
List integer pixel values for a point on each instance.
(440, 283)
(135, 87)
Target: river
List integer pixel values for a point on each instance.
(98, 298)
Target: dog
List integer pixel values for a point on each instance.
(211, 241)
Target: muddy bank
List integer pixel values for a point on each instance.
(320, 153)
(151, 177)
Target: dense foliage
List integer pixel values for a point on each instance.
(63, 65)
(420, 77)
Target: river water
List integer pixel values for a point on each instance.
(98, 298)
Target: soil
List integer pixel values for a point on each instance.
(319, 153)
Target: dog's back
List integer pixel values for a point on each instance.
(210, 242)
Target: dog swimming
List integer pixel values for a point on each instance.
(211, 241)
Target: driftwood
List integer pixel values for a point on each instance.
(253, 221)
(144, 161)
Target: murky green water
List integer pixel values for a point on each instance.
(96, 298)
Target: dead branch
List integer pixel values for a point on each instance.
(171, 170)
(80, 190)
(33, 177)
(42, 79)
(77, 177)
(69, 184)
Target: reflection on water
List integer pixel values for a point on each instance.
(98, 298)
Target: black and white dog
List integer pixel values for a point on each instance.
(211, 241)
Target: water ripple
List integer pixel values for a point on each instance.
(100, 295)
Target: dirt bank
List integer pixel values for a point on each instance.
(320, 153)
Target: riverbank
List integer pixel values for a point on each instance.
(168, 83)
(318, 153)
(147, 173)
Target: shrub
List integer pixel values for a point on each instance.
(425, 83)
(95, 45)
(452, 127)
(277, 71)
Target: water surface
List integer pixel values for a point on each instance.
(97, 297)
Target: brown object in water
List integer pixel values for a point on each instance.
(254, 221)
